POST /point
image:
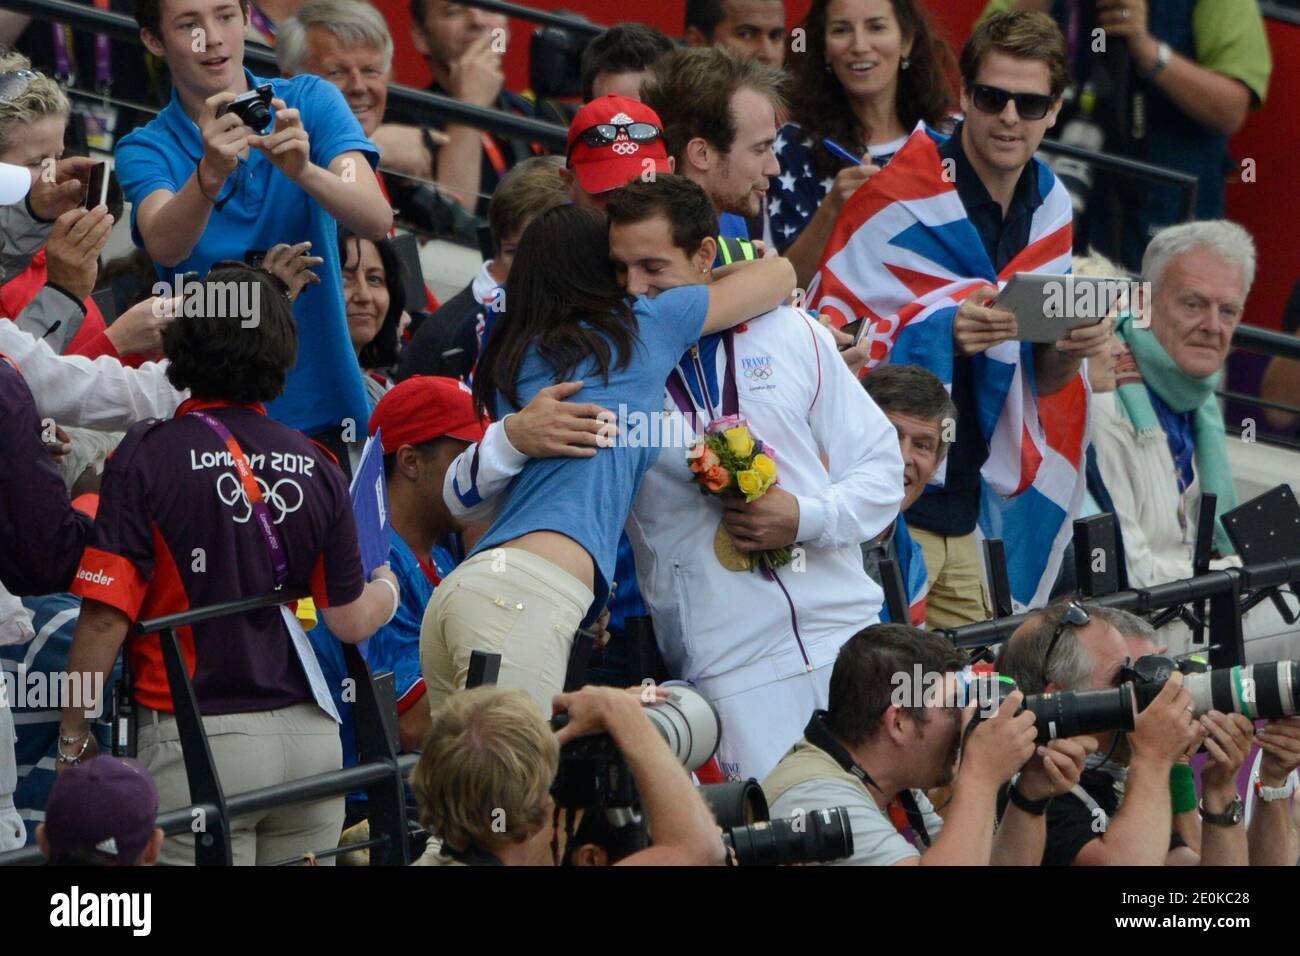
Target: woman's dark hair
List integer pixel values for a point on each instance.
(240, 345)
(562, 298)
(381, 351)
(821, 106)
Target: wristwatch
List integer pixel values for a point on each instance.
(1228, 818)
(1164, 53)
(1034, 808)
(1270, 794)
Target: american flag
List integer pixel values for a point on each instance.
(904, 256)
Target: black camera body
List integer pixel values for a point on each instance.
(253, 108)
(592, 773)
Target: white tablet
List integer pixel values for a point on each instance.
(1048, 306)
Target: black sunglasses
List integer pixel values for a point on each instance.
(1074, 616)
(602, 134)
(991, 99)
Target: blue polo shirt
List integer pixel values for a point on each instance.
(260, 207)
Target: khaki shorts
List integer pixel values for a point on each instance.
(509, 602)
(251, 751)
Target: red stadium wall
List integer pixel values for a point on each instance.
(1269, 206)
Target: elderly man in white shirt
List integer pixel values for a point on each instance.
(1159, 437)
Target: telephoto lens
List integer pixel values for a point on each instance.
(689, 724)
(737, 803)
(1258, 691)
(1065, 713)
(818, 836)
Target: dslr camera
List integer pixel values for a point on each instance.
(253, 108)
(593, 772)
(1257, 691)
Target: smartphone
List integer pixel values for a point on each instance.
(97, 186)
(854, 329)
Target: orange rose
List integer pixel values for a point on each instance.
(716, 478)
(705, 459)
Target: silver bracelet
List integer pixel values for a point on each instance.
(72, 761)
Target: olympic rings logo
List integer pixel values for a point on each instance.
(762, 373)
(232, 493)
(626, 147)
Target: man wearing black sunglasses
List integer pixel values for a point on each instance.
(1014, 69)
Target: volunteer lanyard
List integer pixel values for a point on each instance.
(279, 561)
(680, 391)
(494, 155)
(66, 70)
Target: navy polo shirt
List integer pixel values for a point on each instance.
(954, 509)
(175, 531)
(260, 207)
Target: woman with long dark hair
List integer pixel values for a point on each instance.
(873, 69)
(375, 296)
(544, 567)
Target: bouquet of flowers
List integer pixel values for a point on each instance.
(729, 462)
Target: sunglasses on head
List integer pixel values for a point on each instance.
(991, 99)
(1074, 616)
(603, 134)
(14, 84)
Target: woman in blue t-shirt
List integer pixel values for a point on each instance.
(543, 568)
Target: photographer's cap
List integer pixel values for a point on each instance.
(15, 183)
(106, 805)
(608, 166)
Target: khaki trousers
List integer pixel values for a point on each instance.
(956, 574)
(251, 751)
(509, 602)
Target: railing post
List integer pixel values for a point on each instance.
(995, 563)
(212, 840)
(1228, 646)
(373, 715)
(891, 582)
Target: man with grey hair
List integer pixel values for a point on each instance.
(1160, 437)
(1072, 647)
(347, 43)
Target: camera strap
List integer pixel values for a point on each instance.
(471, 857)
(817, 735)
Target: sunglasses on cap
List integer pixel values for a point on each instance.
(603, 134)
(14, 84)
(1074, 616)
(991, 99)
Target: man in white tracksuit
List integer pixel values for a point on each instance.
(761, 648)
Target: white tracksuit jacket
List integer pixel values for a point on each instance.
(761, 650)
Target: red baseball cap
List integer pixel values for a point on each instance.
(610, 165)
(425, 407)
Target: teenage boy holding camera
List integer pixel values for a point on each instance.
(205, 186)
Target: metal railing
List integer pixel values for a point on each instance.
(380, 773)
(547, 18)
(258, 56)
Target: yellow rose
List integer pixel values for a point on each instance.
(766, 469)
(751, 484)
(739, 441)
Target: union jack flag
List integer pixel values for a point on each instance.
(903, 255)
